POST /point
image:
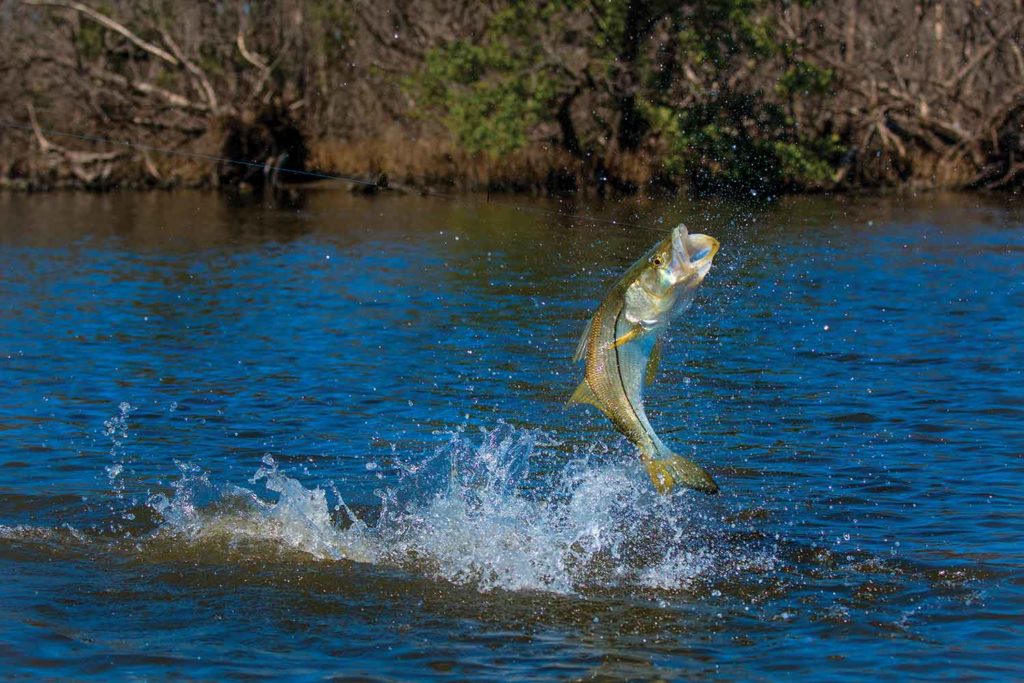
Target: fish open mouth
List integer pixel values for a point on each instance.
(695, 251)
(701, 249)
(706, 251)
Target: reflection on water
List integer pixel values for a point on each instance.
(327, 436)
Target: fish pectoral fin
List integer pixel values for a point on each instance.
(653, 362)
(633, 333)
(667, 473)
(584, 394)
(581, 348)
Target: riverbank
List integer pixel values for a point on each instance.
(730, 98)
(396, 165)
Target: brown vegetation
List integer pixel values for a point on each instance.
(548, 97)
(930, 93)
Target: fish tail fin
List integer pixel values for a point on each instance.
(670, 470)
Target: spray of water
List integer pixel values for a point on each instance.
(482, 518)
(116, 429)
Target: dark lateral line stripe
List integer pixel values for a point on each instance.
(622, 383)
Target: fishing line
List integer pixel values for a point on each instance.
(268, 169)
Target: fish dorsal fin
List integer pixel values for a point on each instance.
(653, 362)
(584, 394)
(581, 348)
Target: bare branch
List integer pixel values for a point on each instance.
(109, 23)
(135, 85)
(197, 74)
(981, 54)
(44, 144)
(250, 57)
(85, 166)
(255, 60)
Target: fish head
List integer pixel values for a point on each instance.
(678, 263)
(669, 278)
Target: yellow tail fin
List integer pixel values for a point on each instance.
(667, 473)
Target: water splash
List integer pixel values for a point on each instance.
(116, 429)
(236, 516)
(491, 521)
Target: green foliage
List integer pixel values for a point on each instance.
(719, 30)
(738, 144)
(804, 78)
(491, 93)
(495, 91)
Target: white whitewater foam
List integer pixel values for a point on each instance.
(490, 523)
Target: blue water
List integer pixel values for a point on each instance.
(325, 436)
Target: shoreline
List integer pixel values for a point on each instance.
(364, 188)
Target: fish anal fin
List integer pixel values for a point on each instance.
(584, 394)
(633, 333)
(581, 347)
(653, 362)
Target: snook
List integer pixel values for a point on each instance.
(622, 348)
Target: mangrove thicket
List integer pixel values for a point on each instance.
(749, 97)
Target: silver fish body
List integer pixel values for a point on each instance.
(622, 347)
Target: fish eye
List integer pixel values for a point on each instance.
(656, 261)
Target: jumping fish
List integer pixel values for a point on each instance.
(622, 348)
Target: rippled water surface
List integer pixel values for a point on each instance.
(244, 439)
